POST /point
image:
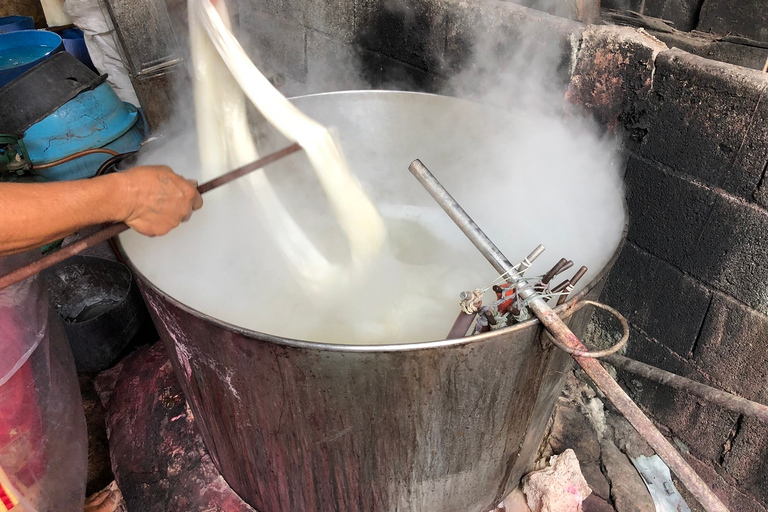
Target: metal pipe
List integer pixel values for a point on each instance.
(710, 394)
(115, 229)
(555, 325)
(462, 220)
(74, 156)
(461, 326)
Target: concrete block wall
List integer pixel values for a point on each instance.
(693, 278)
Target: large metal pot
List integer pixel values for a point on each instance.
(437, 426)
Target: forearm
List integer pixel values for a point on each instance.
(32, 215)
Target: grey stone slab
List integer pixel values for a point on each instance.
(667, 212)
(702, 121)
(658, 298)
(747, 18)
(278, 43)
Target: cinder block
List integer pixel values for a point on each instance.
(724, 486)
(761, 192)
(278, 43)
(706, 119)
(732, 348)
(746, 18)
(703, 427)
(332, 64)
(496, 36)
(658, 298)
(333, 17)
(683, 13)
(246, 8)
(667, 212)
(740, 54)
(747, 459)
(410, 31)
(731, 253)
(613, 74)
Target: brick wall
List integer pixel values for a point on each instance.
(693, 278)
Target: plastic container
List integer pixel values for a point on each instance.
(43, 437)
(16, 23)
(100, 306)
(23, 49)
(74, 43)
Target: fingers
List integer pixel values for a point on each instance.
(197, 201)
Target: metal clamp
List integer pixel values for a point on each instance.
(597, 353)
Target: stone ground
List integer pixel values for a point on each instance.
(603, 442)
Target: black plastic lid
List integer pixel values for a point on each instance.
(37, 93)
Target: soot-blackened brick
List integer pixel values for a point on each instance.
(706, 120)
(658, 298)
(410, 31)
(492, 36)
(761, 192)
(747, 460)
(703, 427)
(746, 18)
(613, 75)
(333, 17)
(731, 253)
(724, 486)
(281, 44)
(732, 348)
(667, 212)
(683, 13)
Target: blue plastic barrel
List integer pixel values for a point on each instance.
(20, 51)
(15, 23)
(74, 43)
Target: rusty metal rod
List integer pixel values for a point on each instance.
(712, 395)
(555, 325)
(115, 229)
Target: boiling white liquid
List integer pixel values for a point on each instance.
(301, 254)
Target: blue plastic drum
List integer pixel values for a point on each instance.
(22, 50)
(15, 23)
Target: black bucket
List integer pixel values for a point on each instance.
(100, 306)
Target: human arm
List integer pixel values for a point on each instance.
(150, 199)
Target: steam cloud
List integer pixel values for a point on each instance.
(524, 166)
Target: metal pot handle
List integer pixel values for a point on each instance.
(598, 353)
